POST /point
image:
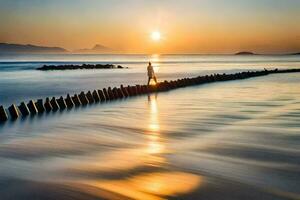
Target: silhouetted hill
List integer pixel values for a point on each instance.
(246, 53)
(20, 48)
(96, 49)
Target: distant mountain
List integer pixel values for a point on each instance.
(20, 48)
(245, 53)
(96, 49)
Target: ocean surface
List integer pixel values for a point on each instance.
(228, 140)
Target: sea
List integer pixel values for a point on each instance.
(218, 141)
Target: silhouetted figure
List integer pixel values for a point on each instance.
(151, 74)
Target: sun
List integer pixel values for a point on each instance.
(155, 36)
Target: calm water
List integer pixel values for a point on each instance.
(233, 140)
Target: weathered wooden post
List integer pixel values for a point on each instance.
(115, 93)
(106, 94)
(138, 89)
(185, 82)
(124, 90)
(101, 95)
(173, 84)
(69, 101)
(130, 93)
(54, 104)
(120, 93)
(47, 105)
(142, 89)
(32, 108)
(110, 93)
(163, 86)
(160, 87)
(89, 96)
(178, 83)
(76, 100)
(146, 88)
(83, 98)
(199, 80)
(3, 114)
(40, 106)
(24, 109)
(134, 89)
(13, 112)
(96, 96)
(61, 102)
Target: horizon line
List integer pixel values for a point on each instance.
(119, 52)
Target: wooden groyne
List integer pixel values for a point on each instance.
(110, 94)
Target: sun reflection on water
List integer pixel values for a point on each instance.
(152, 186)
(153, 126)
(142, 173)
(155, 145)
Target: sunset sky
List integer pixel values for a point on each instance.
(186, 26)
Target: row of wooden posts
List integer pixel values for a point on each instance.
(110, 94)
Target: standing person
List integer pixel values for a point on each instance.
(151, 74)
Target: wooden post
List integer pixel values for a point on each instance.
(101, 95)
(120, 93)
(32, 108)
(13, 112)
(134, 89)
(138, 89)
(110, 93)
(61, 102)
(69, 102)
(76, 100)
(40, 106)
(23, 109)
(89, 96)
(130, 92)
(83, 98)
(146, 89)
(96, 96)
(47, 105)
(3, 114)
(54, 104)
(106, 94)
(124, 90)
(115, 93)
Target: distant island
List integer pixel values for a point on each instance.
(245, 53)
(28, 48)
(83, 66)
(248, 53)
(295, 54)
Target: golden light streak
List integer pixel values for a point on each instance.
(152, 186)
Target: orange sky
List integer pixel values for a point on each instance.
(189, 26)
